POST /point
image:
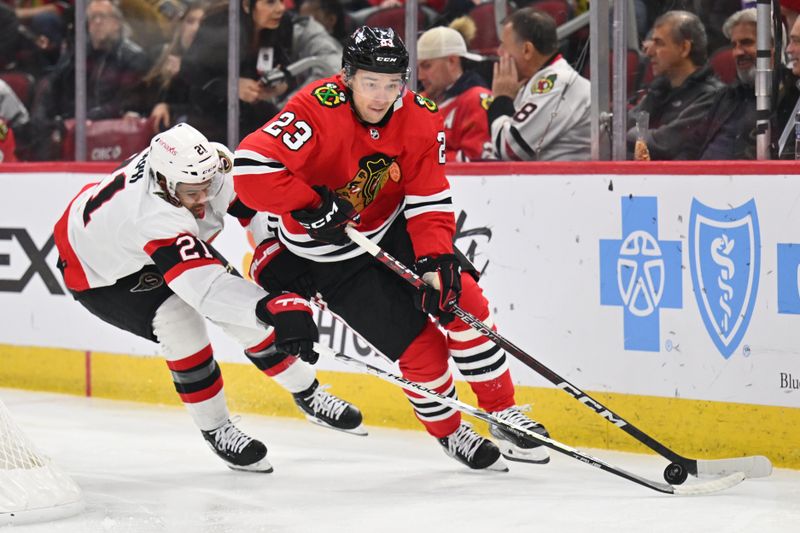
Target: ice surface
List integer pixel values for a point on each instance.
(146, 469)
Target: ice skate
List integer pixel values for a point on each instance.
(325, 409)
(473, 450)
(239, 451)
(515, 446)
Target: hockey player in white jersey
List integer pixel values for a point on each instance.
(135, 250)
(541, 104)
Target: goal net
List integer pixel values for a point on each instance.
(32, 488)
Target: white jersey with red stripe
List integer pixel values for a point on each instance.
(116, 227)
(550, 120)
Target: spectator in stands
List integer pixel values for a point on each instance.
(15, 123)
(462, 96)
(727, 129)
(329, 13)
(114, 65)
(155, 95)
(541, 104)
(24, 48)
(44, 23)
(784, 120)
(270, 38)
(8, 146)
(684, 86)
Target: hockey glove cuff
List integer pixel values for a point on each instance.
(292, 318)
(277, 270)
(442, 274)
(327, 222)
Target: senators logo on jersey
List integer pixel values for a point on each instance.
(329, 95)
(372, 174)
(427, 103)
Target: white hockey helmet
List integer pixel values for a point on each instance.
(184, 155)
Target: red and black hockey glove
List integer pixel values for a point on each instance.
(276, 269)
(442, 274)
(326, 223)
(291, 316)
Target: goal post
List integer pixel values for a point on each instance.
(32, 487)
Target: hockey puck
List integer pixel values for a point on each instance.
(675, 474)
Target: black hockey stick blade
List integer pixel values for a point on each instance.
(706, 487)
(752, 466)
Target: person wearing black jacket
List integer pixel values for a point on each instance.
(114, 64)
(683, 89)
(270, 37)
(727, 130)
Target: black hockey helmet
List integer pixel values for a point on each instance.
(376, 50)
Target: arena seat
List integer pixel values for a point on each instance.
(723, 64)
(486, 39)
(109, 139)
(558, 9)
(21, 83)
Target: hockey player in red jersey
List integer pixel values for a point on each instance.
(135, 250)
(359, 149)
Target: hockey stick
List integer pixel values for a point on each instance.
(706, 487)
(680, 467)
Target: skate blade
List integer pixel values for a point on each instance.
(538, 455)
(360, 430)
(498, 466)
(260, 467)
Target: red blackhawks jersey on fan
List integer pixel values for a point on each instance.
(114, 228)
(392, 169)
(466, 124)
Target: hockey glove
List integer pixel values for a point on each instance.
(442, 274)
(278, 270)
(326, 223)
(291, 316)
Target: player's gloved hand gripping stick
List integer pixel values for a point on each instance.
(680, 467)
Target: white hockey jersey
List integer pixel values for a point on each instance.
(551, 119)
(114, 228)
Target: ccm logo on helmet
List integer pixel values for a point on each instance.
(386, 59)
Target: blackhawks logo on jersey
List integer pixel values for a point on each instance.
(329, 95)
(486, 100)
(373, 172)
(545, 85)
(427, 103)
(3, 130)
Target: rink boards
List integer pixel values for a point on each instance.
(673, 295)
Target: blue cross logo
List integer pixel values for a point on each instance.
(640, 273)
(789, 278)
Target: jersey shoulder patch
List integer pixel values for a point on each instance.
(329, 95)
(426, 103)
(486, 99)
(544, 85)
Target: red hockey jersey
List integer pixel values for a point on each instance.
(466, 124)
(383, 170)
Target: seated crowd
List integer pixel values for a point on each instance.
(522, 94)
